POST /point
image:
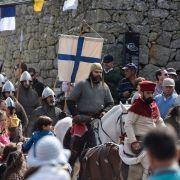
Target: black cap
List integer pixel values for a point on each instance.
(108, 58)
(131, 66)
(171, 71)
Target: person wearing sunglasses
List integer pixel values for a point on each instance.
(160, 75)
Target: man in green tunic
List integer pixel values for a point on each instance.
(112, 76)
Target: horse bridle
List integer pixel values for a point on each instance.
(121, 125)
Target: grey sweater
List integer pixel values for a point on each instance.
(91, 99)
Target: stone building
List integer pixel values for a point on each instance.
(157, 21)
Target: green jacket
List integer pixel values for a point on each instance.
(112, 79)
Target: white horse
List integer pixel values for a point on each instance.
(111, 125)
(108, 128)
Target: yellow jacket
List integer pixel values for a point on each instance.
(13, 121)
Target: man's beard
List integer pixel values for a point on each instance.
(148, 100)
(51, 103)
(96, 79)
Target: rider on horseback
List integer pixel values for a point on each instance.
(87, 101)
(143, 116)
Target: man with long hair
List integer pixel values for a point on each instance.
(88, 100)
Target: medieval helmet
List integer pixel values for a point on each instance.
(8, 87)
(96, 66)
(2, 80)
(9, 102)
(25, 76)
(47, 92)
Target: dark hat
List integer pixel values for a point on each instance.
(131, 66)
(147, 86)
(108, 58)
(171, 71)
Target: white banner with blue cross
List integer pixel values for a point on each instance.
(75, 56)
(7, 18)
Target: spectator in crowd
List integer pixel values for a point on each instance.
(43, 128)
(137, 93)
(51, 161)
(160, 75)
(172, 73)
(4, 134)
(15, 166)
(27, 96)
(48, 107)
(112, 76)
(18, 70)
(174, 116)
(36, 84)
(13, 122)
(8, 90)
(11, 147)
(126, 86)
(166, 100)
(2, 81)
(162, 154)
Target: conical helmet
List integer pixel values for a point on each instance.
(8, 86)
(47, 92)
(9, 102)
(2, 80)
(25, 76)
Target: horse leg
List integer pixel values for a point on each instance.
(125, 169)
(90, 137)
(135, 172)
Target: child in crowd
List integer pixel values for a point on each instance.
(4, 134)
(13, 122)
(44, 128)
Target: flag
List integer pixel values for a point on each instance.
(7, 18)
(70, 4)
(75, 56)
(38, 5)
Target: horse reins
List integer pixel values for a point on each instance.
(106, 132)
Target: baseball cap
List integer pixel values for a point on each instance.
(168, 82)
(171, 71)
(131, 66)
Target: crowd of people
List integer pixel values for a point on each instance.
(29, 148)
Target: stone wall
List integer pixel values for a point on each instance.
(157, 21)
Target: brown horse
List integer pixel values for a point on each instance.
(103, 163)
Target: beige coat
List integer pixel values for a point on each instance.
(138, 125)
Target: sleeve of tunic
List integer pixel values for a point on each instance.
(22, 115)
(160, 123)
(76, 92)
(131, 119)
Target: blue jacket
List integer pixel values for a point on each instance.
(166, 174)
(164, 104)
(34, 138)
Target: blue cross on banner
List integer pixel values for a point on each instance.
(78, 55)
(7, 18)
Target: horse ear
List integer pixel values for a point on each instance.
(124, 108)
